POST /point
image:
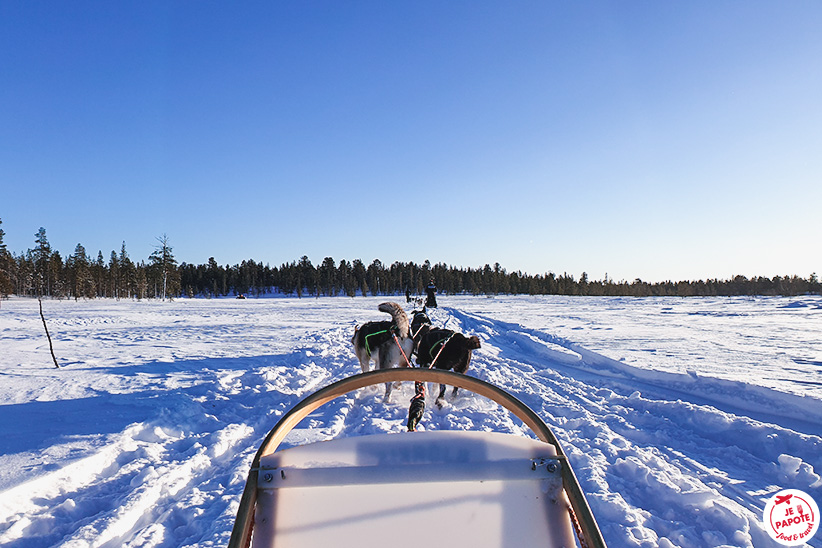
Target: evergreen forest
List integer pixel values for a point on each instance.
(43, 271)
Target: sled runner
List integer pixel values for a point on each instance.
(453, 488)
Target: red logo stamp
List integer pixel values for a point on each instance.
(791, 517)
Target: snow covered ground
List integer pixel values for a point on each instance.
(681, 416)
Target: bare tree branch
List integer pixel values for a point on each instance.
(51, 348)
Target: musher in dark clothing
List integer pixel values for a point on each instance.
(431, 292)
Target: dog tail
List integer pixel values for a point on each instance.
(399, 317)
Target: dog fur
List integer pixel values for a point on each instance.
(455, 354)
(375, 341)
(419, 319)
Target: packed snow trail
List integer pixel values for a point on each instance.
(145, 439)
(656, 469)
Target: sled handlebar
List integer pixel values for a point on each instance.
(344, 386)
(319, 398)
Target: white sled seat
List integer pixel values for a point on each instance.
(449, 488)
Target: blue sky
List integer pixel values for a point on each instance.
(637, 139)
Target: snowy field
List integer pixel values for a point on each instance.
(680, 416)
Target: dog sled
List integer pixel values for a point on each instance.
(457, 488)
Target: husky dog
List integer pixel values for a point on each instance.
(445, 349)
(418, 319)
(387, 343)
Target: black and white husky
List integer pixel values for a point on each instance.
(419, 319)
(445, 349)
(387, 343)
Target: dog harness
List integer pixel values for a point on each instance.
(441, 345)
(417, 407)
(372, 340)
(375, 339)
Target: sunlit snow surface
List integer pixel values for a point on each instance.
(681, 416)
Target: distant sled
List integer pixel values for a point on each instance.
(455, 488)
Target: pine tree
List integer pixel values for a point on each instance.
(374, 276)
(307, 276)
(6, 260)
(359, 274)
(82, 279)
(140, 281)
(114, 276)
(346, 278)
(165, 266)
(99, 268)
(128, 275)
(328, 277)
(40, 257)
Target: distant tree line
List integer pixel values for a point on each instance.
(42, 271)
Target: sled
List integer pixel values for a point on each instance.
(452, 488)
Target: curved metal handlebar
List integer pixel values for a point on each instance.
(241, 533)
(342, 387)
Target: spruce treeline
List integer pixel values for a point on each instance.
(42, 271)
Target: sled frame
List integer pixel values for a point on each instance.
(585, 523)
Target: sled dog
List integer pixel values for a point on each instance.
(445, 349)
(387, 343)
(419, 319)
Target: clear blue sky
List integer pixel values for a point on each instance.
(658, 140)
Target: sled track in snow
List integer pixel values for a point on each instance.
(660, 466)
(655, 462)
